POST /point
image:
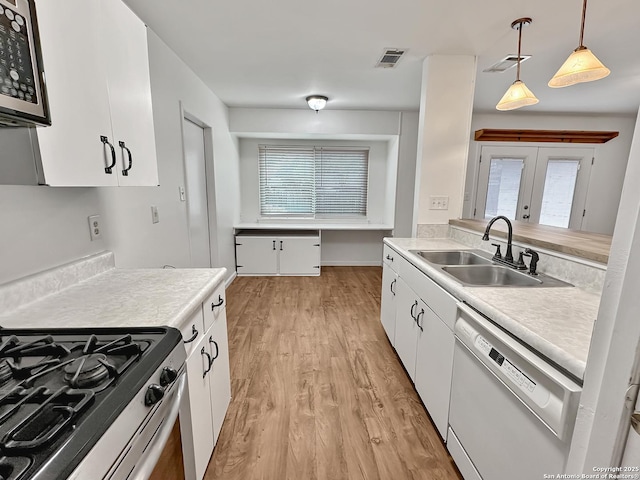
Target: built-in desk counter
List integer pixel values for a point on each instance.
(590, 246)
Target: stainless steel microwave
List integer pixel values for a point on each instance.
(23, 96)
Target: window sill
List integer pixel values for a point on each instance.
(312, 225)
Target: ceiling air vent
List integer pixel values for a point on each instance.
(390, 57)
(506, 63)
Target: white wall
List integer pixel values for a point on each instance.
(286, 123)
(41, 227)
(378, 171)
(405, 185)
(613, 359)
(607, 174)
(446, 104)
(132, 236)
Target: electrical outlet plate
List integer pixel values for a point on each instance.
(438, 203)
(95, 227)
(155, 218)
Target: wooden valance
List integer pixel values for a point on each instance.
(554, 136)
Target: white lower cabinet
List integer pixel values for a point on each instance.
(423, 339)
(406, 327)
(388, 302)
(197, 414)
(434, 364)
(219, 378)
(278, 253)
(208, 394)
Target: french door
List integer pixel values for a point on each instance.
(546, 185)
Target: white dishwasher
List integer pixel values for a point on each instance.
(511, 413)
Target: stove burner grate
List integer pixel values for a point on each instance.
(89, 371)
(55, 413)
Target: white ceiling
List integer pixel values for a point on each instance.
(275, 53)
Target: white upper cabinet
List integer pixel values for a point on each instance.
(97, 70)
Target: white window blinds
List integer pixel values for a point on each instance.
(313, 181)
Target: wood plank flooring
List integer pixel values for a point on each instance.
(318, 392)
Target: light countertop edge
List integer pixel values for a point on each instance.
(121, 298)
(555, 322)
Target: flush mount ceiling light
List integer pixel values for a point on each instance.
(518, 94)
(581, 66)
(317, 102)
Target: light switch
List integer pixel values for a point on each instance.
(155, 218)
(438, 203)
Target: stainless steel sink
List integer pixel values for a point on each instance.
(499, 276)
(453, 257)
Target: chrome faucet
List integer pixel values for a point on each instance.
(508, 256)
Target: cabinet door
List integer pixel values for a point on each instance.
(219, 378)
(256, 255)
(409, 305)
(388, 302)
(434, 364)
(195, 413)
(299, 255)
(70, 150)
(127, 58)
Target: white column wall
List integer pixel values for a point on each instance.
(446, 104)
(616, 337)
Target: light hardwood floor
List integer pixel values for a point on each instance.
(318, 392)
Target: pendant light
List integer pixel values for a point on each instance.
(518, 94)
(581, 66)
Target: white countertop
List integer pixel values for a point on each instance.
(556, 322)
(116, 298)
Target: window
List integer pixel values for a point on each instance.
(313, 181)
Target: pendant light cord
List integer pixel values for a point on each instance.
(519, 43)
(584, 16)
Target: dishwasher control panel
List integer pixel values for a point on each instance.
(518, 377)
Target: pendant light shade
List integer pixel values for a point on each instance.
(518, 95)
(581, 66)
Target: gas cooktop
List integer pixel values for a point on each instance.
(60, 389)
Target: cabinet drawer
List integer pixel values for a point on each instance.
(390, 257)
(441, 302)
(214, 306)
(192, 330)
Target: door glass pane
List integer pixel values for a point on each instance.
(557, 197)
(504, 187)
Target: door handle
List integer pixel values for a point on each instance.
(105, 141)
(125, 171)
(391, 287)
(274, 244)
(280, 245)
(415, 304)
(635, 421)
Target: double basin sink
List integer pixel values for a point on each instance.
(474, 268)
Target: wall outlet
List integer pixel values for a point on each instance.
(95, 227)
(438, 203)
(155, 218)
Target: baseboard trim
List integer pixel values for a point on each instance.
(230, 280)
(351, 263)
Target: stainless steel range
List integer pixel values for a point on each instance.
(87, 403)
